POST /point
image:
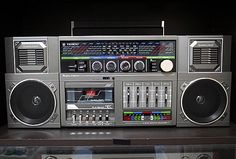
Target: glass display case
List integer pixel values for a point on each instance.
(208, 151)
(119, 143)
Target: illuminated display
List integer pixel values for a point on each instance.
(117, 49)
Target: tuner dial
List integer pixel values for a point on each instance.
(97, 66)
(111, 66)
(139, 65)
(166, 65)
(125, 66)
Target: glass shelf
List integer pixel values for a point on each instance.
(218, 151)
(117, 136)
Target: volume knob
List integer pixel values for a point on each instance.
(139, 65)
(166, 65)
(97, 66)
(111, 66)
(125, 66)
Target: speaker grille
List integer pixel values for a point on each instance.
(205, 55)
(30, 57)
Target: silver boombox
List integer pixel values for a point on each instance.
(98, 81)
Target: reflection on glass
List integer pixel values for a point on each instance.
(121, 152)
(89, 95)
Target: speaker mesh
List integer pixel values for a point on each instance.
(32, 102)
(204, 101)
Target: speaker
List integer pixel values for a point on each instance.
(186, 155)
(204, 81)
(33, 100)
(32, 82)
(203, 99)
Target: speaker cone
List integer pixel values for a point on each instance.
(204, 101)
(32, 102)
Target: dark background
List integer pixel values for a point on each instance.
(36, 18)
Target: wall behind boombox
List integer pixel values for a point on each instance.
(53, 18)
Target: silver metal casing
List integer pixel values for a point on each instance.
(181, 79)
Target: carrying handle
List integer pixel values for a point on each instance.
(75, 25)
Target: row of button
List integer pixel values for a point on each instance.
(89, 117)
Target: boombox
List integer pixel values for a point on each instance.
(108, 81)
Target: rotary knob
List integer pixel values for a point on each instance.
(97, 66)
(166, 65)
(125, 66)
(111, 66)
(139, 66)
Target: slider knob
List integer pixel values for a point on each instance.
(166, 65)
(97, 66)
(139, 65)
(125, 66)
(111, 66)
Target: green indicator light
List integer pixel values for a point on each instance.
(139, 117)
(160, 57)
(76, 58)
(156, 118)
(128, 112)
(165, 112)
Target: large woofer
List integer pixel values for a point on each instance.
(32, 102)
(204, 101)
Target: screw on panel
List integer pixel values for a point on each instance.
(226, 86)
(11, 86)
(184, 85)
(223, 116)
(51, 85)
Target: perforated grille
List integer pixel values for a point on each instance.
(30, 57)
(206, 55)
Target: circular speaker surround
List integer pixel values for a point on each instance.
(204, 156)
(204, 101)
(32, 102)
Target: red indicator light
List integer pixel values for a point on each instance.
(90, 92)
(147, 113)
(126, 118)
(167, 117)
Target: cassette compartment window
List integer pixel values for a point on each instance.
(89, 95)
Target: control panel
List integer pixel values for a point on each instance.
(91, 117)
(147, 101)
(118, 56)
(89, 104)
